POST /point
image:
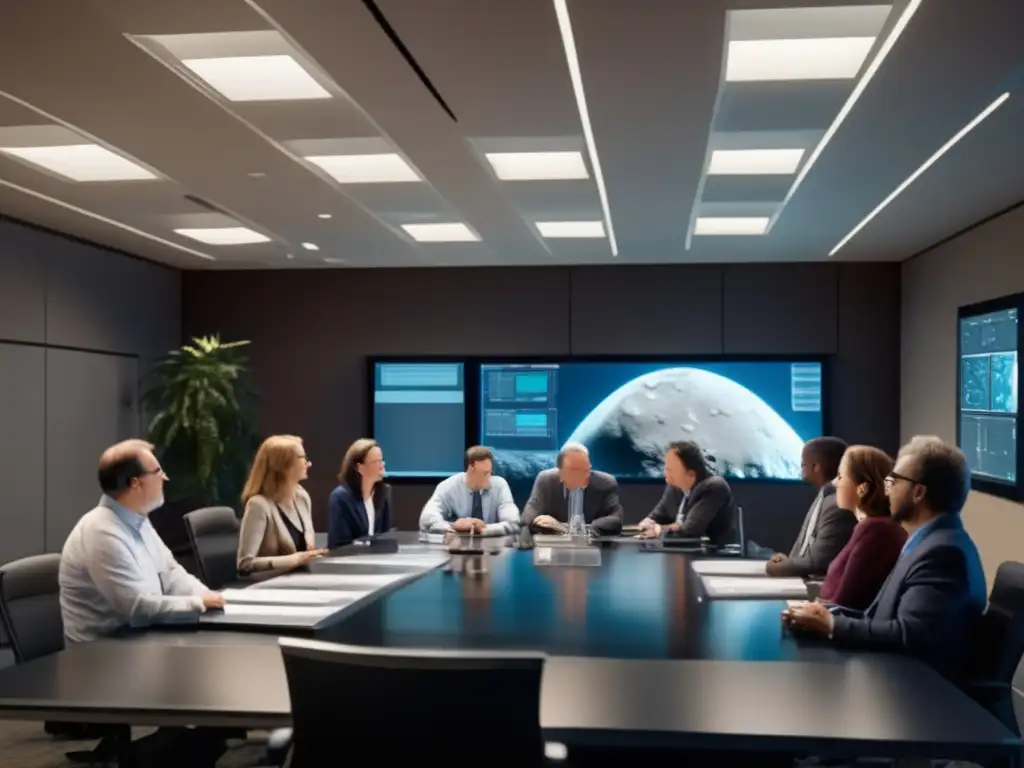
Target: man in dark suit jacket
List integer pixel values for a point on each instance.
(935, 595)
(695, 503)
(827, 527)
(556, 491)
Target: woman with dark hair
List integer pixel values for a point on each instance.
(361, 504)
(696, 502)
(860, 569)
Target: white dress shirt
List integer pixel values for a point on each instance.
(116, 572)
(812, 523)
(371, 515)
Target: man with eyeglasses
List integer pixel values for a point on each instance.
(936, 592)
(115, 570)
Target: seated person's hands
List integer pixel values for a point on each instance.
(469, 525)
(212, 600)
(778, 557)
(548, 523)
(646, 523)
(653, 531)
(809, 618)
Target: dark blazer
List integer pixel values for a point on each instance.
(831, 532)
(929, 606)
(855, 577)
(601, 507)
(346, 515)
(710, 510)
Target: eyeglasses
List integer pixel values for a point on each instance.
(892, 478)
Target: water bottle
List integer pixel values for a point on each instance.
(578, 528)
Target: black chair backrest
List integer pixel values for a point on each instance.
(30, 606)
(447, 702)
(999, 640)
(213, 533)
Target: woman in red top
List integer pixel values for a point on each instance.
(860, 569)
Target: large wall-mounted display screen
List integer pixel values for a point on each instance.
(987, 410)
(752, 416)
(419, 416)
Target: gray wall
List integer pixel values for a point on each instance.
(981, 264)
(312, 332)
(77, 326)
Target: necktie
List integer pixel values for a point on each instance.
(478, 506)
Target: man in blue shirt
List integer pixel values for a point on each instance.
(936, 592)
(474, 501)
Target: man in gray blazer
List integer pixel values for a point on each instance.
(573, 485)
(827, 527)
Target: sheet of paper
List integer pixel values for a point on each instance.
(293, 596)
(396, 560)
(794, 603)
(729, 567)
(341, 581)
(744, 586)
(290, 611)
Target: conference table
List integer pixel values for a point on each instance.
(638, 655)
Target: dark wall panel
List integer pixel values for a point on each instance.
(103, 301)
(646, 311)
(22, 285)
(780, 309)
(866, 369)
(312, 331)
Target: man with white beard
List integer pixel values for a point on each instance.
(115, 570)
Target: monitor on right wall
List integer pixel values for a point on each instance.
(988, 343)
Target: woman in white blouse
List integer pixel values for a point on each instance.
(277, 527)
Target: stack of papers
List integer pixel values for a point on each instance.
(279, 611)
(425, 560)
(344, 581)
(730, 567)
(271, 596)
(724, 587)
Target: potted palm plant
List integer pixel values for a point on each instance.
(203, 424)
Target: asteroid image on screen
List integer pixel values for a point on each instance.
(988, 394)
(753, 417)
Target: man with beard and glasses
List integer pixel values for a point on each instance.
(935, 594)
(117, 573)
(115, 570)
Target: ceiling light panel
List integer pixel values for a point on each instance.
(570, 229)
(441, 233)
(832, 58)
(733, 162)
(731, 225)
(82, 162)
(382, 168)
(538, 166)
(257, 78)
(224, 235)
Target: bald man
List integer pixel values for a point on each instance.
(115, 570)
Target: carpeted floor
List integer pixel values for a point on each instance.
(25, 745)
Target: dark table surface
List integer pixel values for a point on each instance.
(638, 656)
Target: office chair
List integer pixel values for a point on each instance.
(30, 614)
(482, 691)
(999, 646)
(213, 534)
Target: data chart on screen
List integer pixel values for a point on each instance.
(988, 394)
(419, 417)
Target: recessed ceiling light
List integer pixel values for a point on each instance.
(311, 246)
(323, 216)
(567, 229)
(257, 78)
(821, 58)
(537, 166)
(366, 169)
(225, 235)
(289, 256)
(82, 162)
(754, 162)
(923, 167)
(731, 225)
(441, 233)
